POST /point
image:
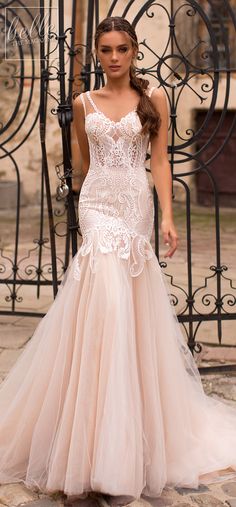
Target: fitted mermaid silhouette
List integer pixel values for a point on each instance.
(106, 395)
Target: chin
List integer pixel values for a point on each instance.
(116, 73)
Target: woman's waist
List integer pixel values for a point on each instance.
(115, 181)
(117, 167)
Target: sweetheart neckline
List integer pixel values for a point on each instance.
(109, 119)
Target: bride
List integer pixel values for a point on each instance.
(106, 399)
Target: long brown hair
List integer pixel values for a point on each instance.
(148, 115)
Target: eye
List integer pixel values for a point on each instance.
(123, 50)
(104, 50)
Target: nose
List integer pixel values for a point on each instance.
(114, 56)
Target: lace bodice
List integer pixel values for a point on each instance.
(115, 144)
(116, 211)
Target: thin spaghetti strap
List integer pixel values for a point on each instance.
(91, 101)
(151, 90)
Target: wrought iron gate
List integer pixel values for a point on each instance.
(199, 54)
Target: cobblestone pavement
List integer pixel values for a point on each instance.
(16, 331)
(217, 495)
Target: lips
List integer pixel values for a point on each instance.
(114, 67)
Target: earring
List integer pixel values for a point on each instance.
(99, 66)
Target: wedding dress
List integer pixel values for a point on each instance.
(106, 395)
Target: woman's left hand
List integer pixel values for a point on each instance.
(170, 236)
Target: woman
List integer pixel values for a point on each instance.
(106, 398)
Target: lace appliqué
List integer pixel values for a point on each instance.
(116, 144)
(133, 247)
(116, 211)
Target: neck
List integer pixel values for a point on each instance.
(118, 85)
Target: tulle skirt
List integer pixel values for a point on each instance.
(106, 395)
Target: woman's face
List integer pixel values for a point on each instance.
(115, 52)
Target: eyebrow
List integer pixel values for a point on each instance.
(120, 45)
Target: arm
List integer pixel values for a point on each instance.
(161, 172)
(78, 115)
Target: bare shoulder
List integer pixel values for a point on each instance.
(78, 108)
(77, 102)
(159, 100)
(158, 95)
